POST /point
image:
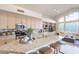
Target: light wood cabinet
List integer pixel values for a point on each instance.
(11, 21)
(8, 20)
(18, 19)
(24, 20)
(28, 21)
(3, 20)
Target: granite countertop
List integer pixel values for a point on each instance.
(16, 47)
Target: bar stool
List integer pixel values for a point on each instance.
(56, 47)
(35, 52)
(46, 50)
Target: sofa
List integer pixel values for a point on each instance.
(70, 40)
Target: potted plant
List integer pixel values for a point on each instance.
(29, 32)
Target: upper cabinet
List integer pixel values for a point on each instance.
(3, 20)
(18, 19)
(11, 20)
(24, 20)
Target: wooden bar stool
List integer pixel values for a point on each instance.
(35, 52)
(46, 50)
(56, 47)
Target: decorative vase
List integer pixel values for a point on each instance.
(29, 35)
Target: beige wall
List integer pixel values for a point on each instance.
(9, 20)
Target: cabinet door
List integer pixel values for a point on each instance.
(0, 19)
(24, 20)
(28, 21)
(33, 23)
(3, 20)
(11, 21)
(18, 19)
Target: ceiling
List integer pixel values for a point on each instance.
(49, 10)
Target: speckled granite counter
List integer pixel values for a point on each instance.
(16, 47)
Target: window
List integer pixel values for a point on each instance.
(73, 16)
(61, 19)
(77, 26)
(71, 26)
(71, 23)
(61, 27)
(76, 15)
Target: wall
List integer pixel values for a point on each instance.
(48, 20)
(13, 8)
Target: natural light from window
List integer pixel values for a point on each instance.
(73, 16)
(61, 19)
(69, 23)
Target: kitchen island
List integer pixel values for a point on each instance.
(16, 47)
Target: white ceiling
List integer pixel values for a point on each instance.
(49, 10)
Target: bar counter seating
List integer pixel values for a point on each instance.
(46, 50)
(56, 47)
